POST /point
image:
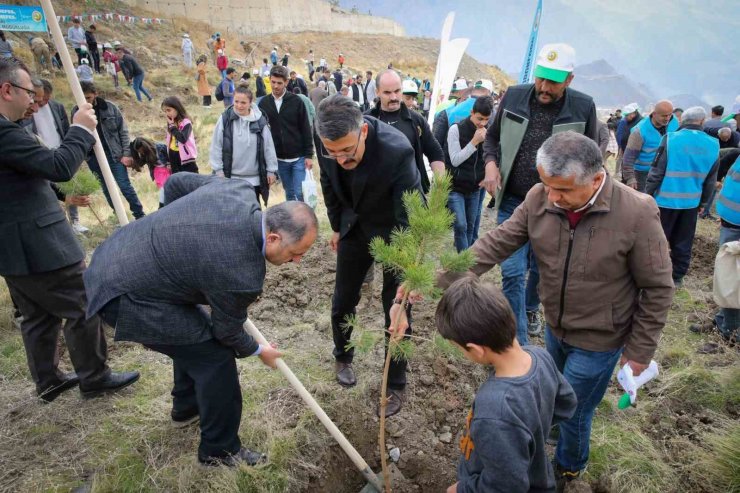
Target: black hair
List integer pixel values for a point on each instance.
(476, 312)
(175, 103)
(88, 87)
(230, 70)
(246, 75)
(143, 151)
(483, 105)
(718, 110)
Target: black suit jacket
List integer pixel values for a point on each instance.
(35, 236)
(387, 170)
(203, 248)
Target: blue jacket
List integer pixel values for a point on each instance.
(203, 248)
(651, 138)
(728, 202)
(685, 173)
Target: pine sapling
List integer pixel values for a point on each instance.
(83, 183)
(414, 254)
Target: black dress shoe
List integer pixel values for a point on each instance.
(112, 383)
(244, 456)
(345, 374)
(183, 419)
(395, 402)
(67, 382)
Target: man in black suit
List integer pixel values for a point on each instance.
(366, 166)
(207, 246)
(40, 258)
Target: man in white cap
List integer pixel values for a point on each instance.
(632, 117)
(410, 92)
(187, 50)
(527, 116)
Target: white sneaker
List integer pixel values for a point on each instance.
(79, 228)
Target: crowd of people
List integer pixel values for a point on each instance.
(600, 254)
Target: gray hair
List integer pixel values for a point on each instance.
(37, 83)
(724, 131)
(322, 84)
(569, 153)
(695, 114)
(293, 219)
(338, 116)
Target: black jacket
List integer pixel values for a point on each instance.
(300, 84)
(467, 175)
(130, 66)
(425, 143)
(291, 130)
(386, 171)
(259, 84)
(35, 236)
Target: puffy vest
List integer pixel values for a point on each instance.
(691, 155)
(188, 151)
(651, 138)
(728, 202)
(466, 176)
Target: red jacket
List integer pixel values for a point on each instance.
(222, 62)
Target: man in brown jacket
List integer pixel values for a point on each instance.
(605, 276)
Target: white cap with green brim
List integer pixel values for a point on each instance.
(555, 62)
(630, 108)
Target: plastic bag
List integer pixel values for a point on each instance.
(727, 275)
(310, 193)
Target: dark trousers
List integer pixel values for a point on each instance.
(207, 381)
(45, 300)
(679, 226)
(95, 55)
(120, 173)
(353, 262)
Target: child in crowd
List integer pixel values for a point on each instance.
(84, 72)
(145, 152)
(111, 64)
(222, 63)
(180, 140)
(503, 448)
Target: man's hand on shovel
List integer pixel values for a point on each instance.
(269, 354)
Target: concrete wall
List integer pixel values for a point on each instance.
(272, 16)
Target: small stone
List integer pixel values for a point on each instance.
(395, 454)
(427, 380)
(445, 429)
(440, 416)
(445, 437)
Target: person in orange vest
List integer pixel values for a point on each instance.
(341, 61)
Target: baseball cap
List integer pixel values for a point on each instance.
(186, 35)
(460, 85)
(485, 84)
(630, 108)
(107, 45)
(555, 62)
(84, 60)
(409, 87)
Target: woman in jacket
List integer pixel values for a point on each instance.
(242, 146)
(203, 88)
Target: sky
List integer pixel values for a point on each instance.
(672, 46)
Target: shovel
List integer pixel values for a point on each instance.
(374, 483)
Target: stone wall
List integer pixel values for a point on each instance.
(272, 16)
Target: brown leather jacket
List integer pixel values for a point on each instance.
(605, 284)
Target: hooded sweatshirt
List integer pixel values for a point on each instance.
(244, 164)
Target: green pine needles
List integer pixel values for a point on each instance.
(82, 183)
(415, 254)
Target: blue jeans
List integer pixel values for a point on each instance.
(466, 208)
(121, 175)
(728, 319)
(531, 297)
(138, 84)
(588, 372)
(292, 175)
(514, 272)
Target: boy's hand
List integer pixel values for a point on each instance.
(452, 489)
(398, 313)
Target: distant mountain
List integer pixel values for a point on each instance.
(687, 101)
(609, 88)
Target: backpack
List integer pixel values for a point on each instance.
(220, 91)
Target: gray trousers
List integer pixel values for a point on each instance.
(45, 300)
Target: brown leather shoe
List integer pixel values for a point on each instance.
(395, 402)
(345, 374)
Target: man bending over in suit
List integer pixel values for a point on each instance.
(366, 166)
(207, 246)
(40, 258)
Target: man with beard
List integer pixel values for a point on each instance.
(528, 115)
